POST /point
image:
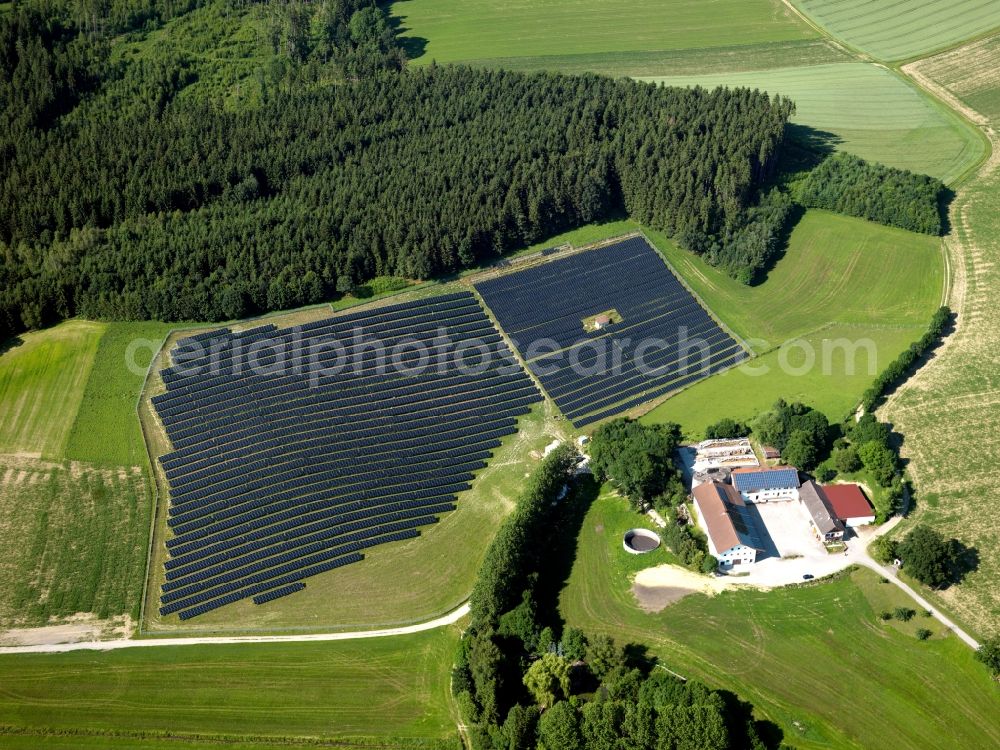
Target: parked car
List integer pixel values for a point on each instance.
(808, 577)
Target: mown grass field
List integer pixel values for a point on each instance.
(393, 691)
(950, 411)
(814, 659)
(866, 110)
(605, 36)
(971, 73)
(42, 378)
(902, 29)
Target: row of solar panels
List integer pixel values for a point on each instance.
(279, 553)
(414, 361)
(274, 476)
(301, 434)
(361, 354)
(664, 341)
(319, 512)
(187, 370)
(372, 457)
(295, 569)
(333, 523)
(441, 404)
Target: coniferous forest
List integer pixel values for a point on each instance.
(124, 198)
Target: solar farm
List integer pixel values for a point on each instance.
(665, 339)
(285, 466)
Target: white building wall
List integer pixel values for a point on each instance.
(764, 496)
(737, 557)
(860, 521)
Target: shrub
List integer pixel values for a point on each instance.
(885, 616)
(903, 614)
(923, 634)
(989, 654)
(846, 460)
(726, 429)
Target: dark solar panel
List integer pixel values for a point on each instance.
(277, 475)
(659, 338)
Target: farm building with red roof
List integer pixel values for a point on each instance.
(850, 504)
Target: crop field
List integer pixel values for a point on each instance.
(624, 38)
(866, 110)
(971, 73)
(950, 410)
(382, 692)
(802, 655)
(73, 540)
(903, 29)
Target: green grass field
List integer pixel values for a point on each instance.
(866, 110)
(394, 691)
(106, 429)
(74, 541)
(42, 378)
(814, 659)
(971, 73)
(902, 29)
(596, 35)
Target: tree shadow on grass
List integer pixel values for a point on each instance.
(12, 343)
(965, 560)
(559, 556)
(413, 46)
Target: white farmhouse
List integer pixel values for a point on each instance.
(732, 536)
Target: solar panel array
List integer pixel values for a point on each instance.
(665, 340)
(765, 479)
(285, 466)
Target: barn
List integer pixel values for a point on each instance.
(849, 504)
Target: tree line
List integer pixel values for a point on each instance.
(523, 680)
(899, 367)
(121, 199)
(849, 185)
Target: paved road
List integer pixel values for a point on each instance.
(892, 575)
(54, 648)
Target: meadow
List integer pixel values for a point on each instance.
(382, 692)
(802, 655)
(904, 29)
(555, 32)
(950, 410)
(867, 110)
(42, 378)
